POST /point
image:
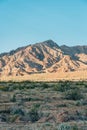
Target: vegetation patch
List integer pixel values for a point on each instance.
(44, 105)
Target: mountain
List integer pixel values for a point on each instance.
(44, 57)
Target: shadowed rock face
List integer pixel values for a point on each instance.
(74, 50)
(44, 57)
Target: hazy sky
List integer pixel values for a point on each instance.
(23, 22)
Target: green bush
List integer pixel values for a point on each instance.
(4, 88)
(13, 99)
(64, 126)
(17, 111)
(73, 94)
(62, 86)
(75, 128)
(12, 118)
(34, 114)
(44, 85)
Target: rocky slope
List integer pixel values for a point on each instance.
(43, 57)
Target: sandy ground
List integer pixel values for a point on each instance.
(77, 75)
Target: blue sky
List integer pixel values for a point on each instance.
(24, 22)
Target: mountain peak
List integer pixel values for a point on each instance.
(41, 57)
(50, 43)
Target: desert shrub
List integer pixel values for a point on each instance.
(64, 126)
(74, 127)
(73, 94)
(85, 85)
(62, 86)
(80, 83)
(47, 126)
(17, 111)
(1, 87)
(12, 118)
(81, 102)
(44, 85)
(11, 88)
(4, 88)
(3, 117)
(5, 111)
(37, 105)
(34, 114)
(13, 99)
(61, 105)
(28, 85)
(31, 99)
(33, 86)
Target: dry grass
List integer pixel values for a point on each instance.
(76, 75)
(52, 103)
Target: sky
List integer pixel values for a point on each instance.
(24, 22)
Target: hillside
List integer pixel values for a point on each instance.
(44, 57)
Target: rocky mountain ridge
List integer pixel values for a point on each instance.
(44, 57)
